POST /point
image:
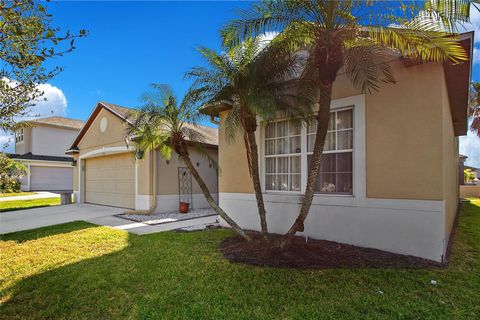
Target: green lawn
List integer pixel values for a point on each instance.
(15, 194)
(82, 271)
(28, 204)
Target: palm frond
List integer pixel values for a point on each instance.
(448, 13)
(425, 45)
(232, 125)
(262, 17)
(161, 118)
(367, 66)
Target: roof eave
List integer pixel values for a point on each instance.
(215, 110)
(458, 78)
(90, 119)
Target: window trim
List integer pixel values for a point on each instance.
(19, 136)
(350, 103)
(352, 150)
(282, 155)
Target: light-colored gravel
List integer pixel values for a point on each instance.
(159, 218)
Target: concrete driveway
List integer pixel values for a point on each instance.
(20, 220)
(40, 217)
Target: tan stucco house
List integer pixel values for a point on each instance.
(389, 176)
(108, 173)
(41, 147)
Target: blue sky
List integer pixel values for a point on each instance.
(132, 44)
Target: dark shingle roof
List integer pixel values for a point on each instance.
(30, 156)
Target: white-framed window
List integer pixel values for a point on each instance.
(283, 155)
(288, 146)
(19, 135)
(336, 169)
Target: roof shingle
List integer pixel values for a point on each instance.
(59, 122)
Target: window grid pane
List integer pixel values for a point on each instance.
(283, 154)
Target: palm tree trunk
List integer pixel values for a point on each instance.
(323, 119)
(252, 144)
(209, 198)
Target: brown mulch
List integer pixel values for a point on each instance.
(314, 254)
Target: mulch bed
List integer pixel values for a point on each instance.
(314, 254)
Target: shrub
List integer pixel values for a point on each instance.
(10, 173)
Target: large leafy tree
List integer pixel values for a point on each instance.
(358, 36)
(254, 80)
(474, 108)
(165, 124)
(27, 41)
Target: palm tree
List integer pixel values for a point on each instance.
(164, 124)
(358, 36)
(474, 108)
(254, 80)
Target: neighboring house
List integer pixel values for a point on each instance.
(41, 147)
(107, 172)
(390, 170)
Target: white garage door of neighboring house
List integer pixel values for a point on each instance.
(51, 178)
(110, 181)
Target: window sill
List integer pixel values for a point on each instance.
(295, 193)
(333, 195)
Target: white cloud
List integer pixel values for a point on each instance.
(470, 146)
(55, 104)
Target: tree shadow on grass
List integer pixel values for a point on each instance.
(42, 232)
(118, 284)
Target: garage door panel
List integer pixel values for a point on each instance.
(125, 187)
(44, 178)
(110, 181)
(110, 199)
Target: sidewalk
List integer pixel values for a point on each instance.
(141, 228)
(38, 195)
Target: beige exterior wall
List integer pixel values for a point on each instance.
(114, 135)
(405, 172)
(46, 140)
(52, 141)
(168, 173)
(450, 158)
(75, 173)
(403, 136)
(26, 145)
(144, 174)
(406, 138)
(234, 175)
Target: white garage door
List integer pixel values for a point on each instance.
(51, 178)
(110, 181)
